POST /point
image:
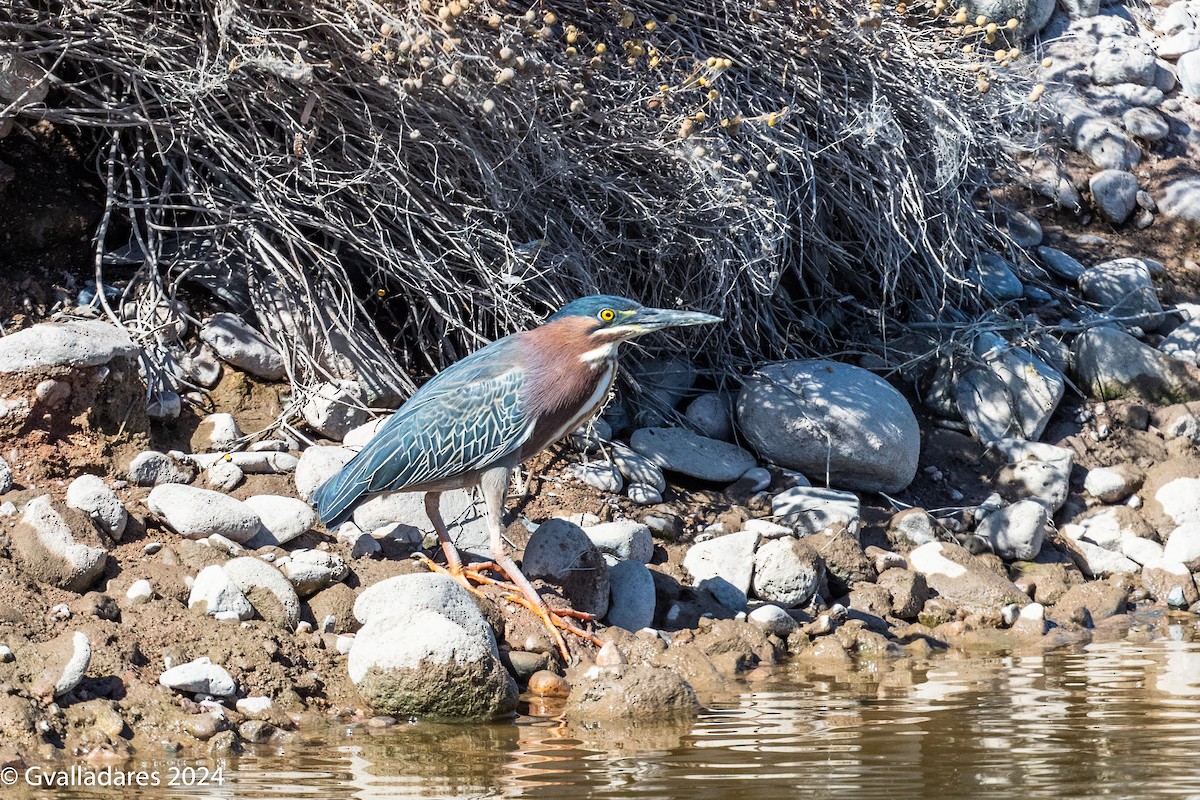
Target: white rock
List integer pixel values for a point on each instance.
(76, 664)
(786, 571)
(49, 552)
(632, 599)
(1183, 544)
(819, 416)
(1112, 484)
(224, 475)
(199, 677)
(809, 509)
(773, 620)
(93, 496)
(318, 464)
(724, 566)
(624, 540)
(423, 592)
(759, 477)
(336, 408)
(196, 513)
(283, 519)
(1174, 18)
(267, 590)
(1123, 59)
(254, 707)
(1100, 561)
(238, 344)
(1187, 69)
(267, 460)
(1115, 194)
(139, 592)
(214, 594)
(601, 475)
(464, 517)
(358, 437)
(1181, 197)
(1016, 532)
(767, 529)
(310, 571)
(76, 344)
(636, 468)
(1140, 551)
(6, 477)
(680, 450)
(152, 468)
(1031, 620)
(1180, 500)
(643, 494)
(218, 542)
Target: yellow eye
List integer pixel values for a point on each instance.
(608, 315)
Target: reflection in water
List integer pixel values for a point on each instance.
(1118, 719)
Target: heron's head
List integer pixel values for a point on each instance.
(617, 319)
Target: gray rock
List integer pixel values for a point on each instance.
(465, 518)
(1181, 197)
(602, 475)
(335, 408)
(196, 513)
(1110, 364)
(663, 382)
(628, 691)
(267, 590)
(773, 620)
(238, 344)
(1081, 8)
(1024, 230)
(810, 510)
(636, 468)
(1031, 14)
(958, 576)
(829, 418)
(318, 464)
(425, 649)
(224, 476)
(632, 598)
(624, 540)
(310, 571)
(1187, 70)
(1183, 343)
(724, 566)
(996, 277)
(1183, 545)
(283, 519)
(560, 553)
(6, 476)
(712, 414)
(1123, 59)
(1115, 194)
(1135, 95)
(217, 433)
(1060, 264)
(1015, 395)
(48, 551)
(139, 592)
(786, 571)
(215, 595)
(93, 496)
(1145, 123)
(1016, 532)
(199, 677)
(1180, 500)
(643, 494)
(64, 660)
(1036, 471)
(680, 450)
(152, 468)
(1113, 484)
(1140, 551)
(908, 591)
(1106, 144)
(75, 344)
(164, 404)
(911, 528)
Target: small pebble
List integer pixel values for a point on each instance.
(151, 548)
(6, 654)
(60, 611)
(304, 626)
(139, 592)
(1010, 613)
(545, 683)
(344, 643)
(760, 476)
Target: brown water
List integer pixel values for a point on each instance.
(1118, 719)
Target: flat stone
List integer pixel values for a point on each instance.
(283, 519)
(786, 571)
(196, 513)
(1097, 600)
(561, 554)
(268, 591)
(1100, 561)
(152, 468)
(238, 344)
(1140, 551)
(1180, 500)
(680, 450)
(1060, 264)
(48, 551)
(199, 677)
(1110, 364)
(75, 344)
(310, 571)
(1115, 194)
(1016, 532)
(632, 597)
(809, 509)
(214, 594)
(629, 691)
(624, 540)
(95, 498)
(724, 566)
(636, 468)
(825, 417)
(956, 575)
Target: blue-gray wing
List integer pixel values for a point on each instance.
(465, 419)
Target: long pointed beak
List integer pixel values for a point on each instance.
(645, 320)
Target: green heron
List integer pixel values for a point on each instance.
(473, 423)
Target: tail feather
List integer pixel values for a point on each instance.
(335, 500)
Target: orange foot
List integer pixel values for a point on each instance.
(555, 619)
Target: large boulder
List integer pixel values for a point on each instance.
(425, 649)
(963, 580)
(828, 418)
(1110, 364)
